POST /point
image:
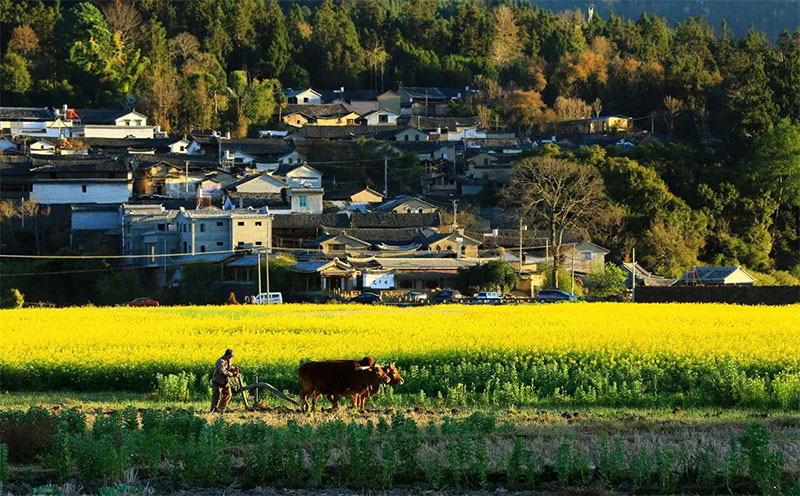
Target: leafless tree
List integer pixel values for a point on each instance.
(597, 107)
(558, 195)
(568, 109)
(184, 46)
(484, 116)
(34, 213)
(125, 18)
(674, 107)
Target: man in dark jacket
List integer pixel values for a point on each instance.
(220, 382)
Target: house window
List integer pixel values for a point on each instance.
(183, 148)
(258, 243)
(305, 99)
(587, 256)
(258, 223)
(416, 137)
(408, 210)
(219, 243)
(486, 161)
(184, 228)
(240, 223)
(83, 188)
(202, 227)
(405, 138)
(302, 201)
(185, 247)
(419, 210)
(383, 118)
(298, 122)
(162, 227)
(219, 223)
(203, 248)
(350, 122)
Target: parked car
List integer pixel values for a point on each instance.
(416, 297)
(143, 302)
(553, 295)
(366, 298)
(489, 297)
(447, 296)
(267, 298)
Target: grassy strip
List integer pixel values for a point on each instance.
(475, 451)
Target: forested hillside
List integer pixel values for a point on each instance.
(726, 189)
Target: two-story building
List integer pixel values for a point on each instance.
(61, 180)
(212, 229)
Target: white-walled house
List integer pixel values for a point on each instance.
(306, 96)
(111, 123)
(257, 183)
(81, 181)
(27, 121)
(306, 199)
(380, 117)
(42, 147)
(298, 176)
(180, 146)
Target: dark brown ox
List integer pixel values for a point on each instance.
(338, 378)
(395, 379)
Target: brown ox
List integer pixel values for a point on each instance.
(338, 378)
(395, 379)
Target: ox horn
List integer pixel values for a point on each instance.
(364, 367)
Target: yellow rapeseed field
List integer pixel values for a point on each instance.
(118, 347)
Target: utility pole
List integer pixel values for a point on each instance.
(521, 228)
(455, 214)
(186, 175)
(385, 177)
(633, 277)
(266, 272)
(572, 279)
(258, 270)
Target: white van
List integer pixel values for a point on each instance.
(489, 297)
(268, 299)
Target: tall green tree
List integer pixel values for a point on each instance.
(748, 96)
(14, 74)
(275, 45)
(335, 45)
(253, 100)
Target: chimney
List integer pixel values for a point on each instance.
(459, 244)
(241, 202)
(64, 111)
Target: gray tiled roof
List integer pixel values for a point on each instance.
(316, 110)
(382, 220)
(79, 165)
(100, 116)
(26, 113)
(258, 146)
(389, 236)
(346, 132)
(449, 123)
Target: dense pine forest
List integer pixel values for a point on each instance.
(724, 190)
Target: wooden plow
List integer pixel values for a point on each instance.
(239, 387)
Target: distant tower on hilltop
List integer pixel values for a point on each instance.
(591, 13)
